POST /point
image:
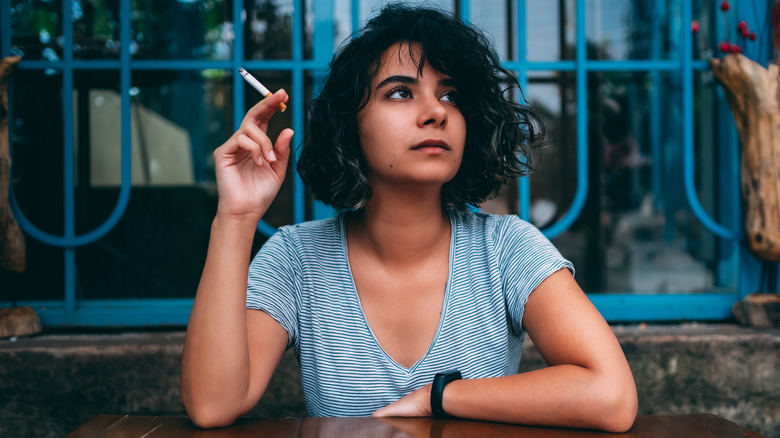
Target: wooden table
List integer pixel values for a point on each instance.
(649, 426)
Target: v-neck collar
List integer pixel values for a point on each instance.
(362, 315)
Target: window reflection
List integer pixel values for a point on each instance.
(181, 29)
(36, 30)
(637, 29)
(95, 29)
(635, 234)
(268, 29)
(550, 29)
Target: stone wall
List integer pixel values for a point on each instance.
(50, 384)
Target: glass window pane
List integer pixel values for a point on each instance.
(95, 29)
(636, 233)
(158, 248)
(342, 25)
(716, 160)
(497, 19)
(370, 8)
(182, 29)
(36, 30)
(553, 96)
(550, 30)
(636, 29)
(36, 133)
(268, 29)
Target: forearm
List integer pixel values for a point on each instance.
(215, 359)
(563, 395)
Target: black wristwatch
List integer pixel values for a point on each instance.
(439, 382)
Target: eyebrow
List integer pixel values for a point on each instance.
(448, 82)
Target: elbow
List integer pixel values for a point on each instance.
(207, 414)
(209, 417)
(618, 410)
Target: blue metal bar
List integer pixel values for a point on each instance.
(195, 64)
(235, 63)
(108, 313)
(676, 307)
(689, 165)
(355, 15)
(656, 108)
(69, 239)
(605, 65)
(323, 51)
(68, 157)
(521, 55)
(298, 192)
(582, 132)
(465, 10)
(176, 64)
(149, 312)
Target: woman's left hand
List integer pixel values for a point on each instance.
(415, 404)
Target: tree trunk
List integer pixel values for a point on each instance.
(12, 250)
(753, 93)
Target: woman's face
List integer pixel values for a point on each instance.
(411, 129)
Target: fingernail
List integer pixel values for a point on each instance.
(272, 156)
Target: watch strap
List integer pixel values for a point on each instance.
(440, 380)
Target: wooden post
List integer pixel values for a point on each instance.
(754, 95)
(12, 249)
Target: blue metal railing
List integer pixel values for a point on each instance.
(689, 165)
(106, 312)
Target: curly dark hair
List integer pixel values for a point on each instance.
(499, 131)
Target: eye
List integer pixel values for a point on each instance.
(399, 93)
(450, 96)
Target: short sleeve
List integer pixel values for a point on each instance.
(526, 258)
(274, 282)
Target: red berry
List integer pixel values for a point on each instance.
(735, 48)
(694, 26)
(724, 6)
(752, 36)
(724, 47)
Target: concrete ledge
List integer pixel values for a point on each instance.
(49, 384)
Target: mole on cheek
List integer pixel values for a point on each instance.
(391, 166)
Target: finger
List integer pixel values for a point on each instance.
(246, 143)
(283, 142)
(259, 136)
(282, 149)
(262, 111)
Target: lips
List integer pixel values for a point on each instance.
(432, 144)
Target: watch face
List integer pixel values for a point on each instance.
(450, 374)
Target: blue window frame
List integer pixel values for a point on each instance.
(127, 88)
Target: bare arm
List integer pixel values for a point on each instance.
(230, 352)
(587, 385)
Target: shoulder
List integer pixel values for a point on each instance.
(316, 230)
(494, 227)
(511, 240)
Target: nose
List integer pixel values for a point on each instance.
(432, 112)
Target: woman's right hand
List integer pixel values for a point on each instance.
(249, 168)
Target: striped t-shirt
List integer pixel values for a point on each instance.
(302, 278)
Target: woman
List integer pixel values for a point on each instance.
(404, 284)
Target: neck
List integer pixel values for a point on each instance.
(400, 229)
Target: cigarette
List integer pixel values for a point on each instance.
(258, 86)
